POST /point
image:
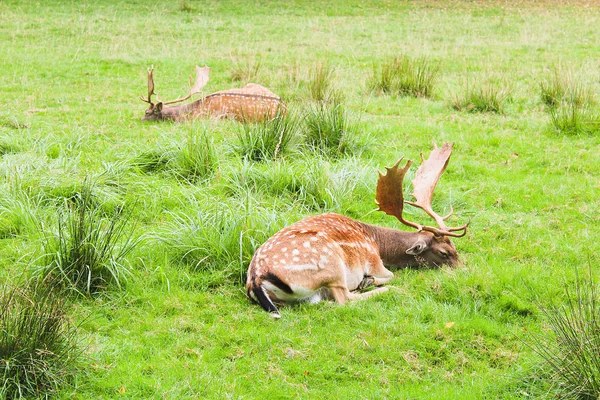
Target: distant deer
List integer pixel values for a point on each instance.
(329, 255)
(250, 103)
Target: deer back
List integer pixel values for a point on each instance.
(251, 103)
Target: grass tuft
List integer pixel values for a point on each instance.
(572, 119)
(38, 349)
(245, 71)
(196, 159)
(329, 129)
(481, 97)
(570, 103)
(267, 140)
(319, 84)
(563, 86)
(185, 6)
(86, 253)
(570, 349)
(405, 76)
(219, 238)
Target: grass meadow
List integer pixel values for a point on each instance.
(514, 84)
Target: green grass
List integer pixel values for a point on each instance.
(569, 348)
(39, 351)
(86, 252)
(269, 139)
(479, 96)
(182, 327)
(405, 76)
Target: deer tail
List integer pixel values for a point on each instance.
(258, 293)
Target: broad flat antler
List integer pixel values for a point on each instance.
(201, 81)
(150, 87)
(390, 199)
(389, 196)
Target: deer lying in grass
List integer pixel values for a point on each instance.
(329, 255)
(251, 103)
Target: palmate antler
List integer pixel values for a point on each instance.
(150, 87)
(390, 198)
(201, 81)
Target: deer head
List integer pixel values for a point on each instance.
(156, 111)
(433, 245)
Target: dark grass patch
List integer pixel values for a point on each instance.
(38, 345)
(572, 119)
(218, 238)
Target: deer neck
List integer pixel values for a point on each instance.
(393, 244)
(182, 111)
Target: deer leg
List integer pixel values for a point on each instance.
(380, 274)
(341, 294)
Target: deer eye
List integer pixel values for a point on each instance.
(444, 254)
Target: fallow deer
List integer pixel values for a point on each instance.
(329, 256)
(250, 103)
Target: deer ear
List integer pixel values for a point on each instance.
(158, 107)
(417, 248)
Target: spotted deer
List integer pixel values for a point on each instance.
(251, 103)
(330, 256)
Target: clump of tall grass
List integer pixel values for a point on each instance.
(329, 129)
(571, 119)
(267, 140)
(481, 97)
(196, 159)
(570, 348)
(319, 84)
(219, 238)
(245, 71)
(405, 76)
(570, 103)
(86, 253)
(562, 85)
(38, 346)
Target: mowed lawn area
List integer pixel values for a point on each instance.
(176, 323)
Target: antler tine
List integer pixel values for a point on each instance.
(150, 87)
(389, 196)
(424, 185)
(201, 81)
